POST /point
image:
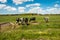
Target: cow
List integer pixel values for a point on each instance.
(22, 21)
(32, 19)
(17, 20)
(46, 19)
(26, 21)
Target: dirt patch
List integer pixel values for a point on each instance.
(35, 23)
(6, 26)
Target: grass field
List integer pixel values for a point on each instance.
(43, 31)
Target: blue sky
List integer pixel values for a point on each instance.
(30, 6)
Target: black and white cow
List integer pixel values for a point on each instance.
(26, 21)
(22, 21)
(17, 20)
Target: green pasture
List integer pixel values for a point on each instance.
(42, 31)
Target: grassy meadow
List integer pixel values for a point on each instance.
(42, 31)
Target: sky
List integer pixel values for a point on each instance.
(30, 6)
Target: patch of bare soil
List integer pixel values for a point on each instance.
(5, 26)
(35, 23)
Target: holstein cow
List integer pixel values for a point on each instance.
(17, 20)
(22, 21)
(26, 21)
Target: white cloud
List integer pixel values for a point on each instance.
(9, 8)
(33, 5)
(21, 9)
(56, 5)
(35, 10)
(49, 10)
(39, 10)
(20, 1)
(54, 10)
(2, 6)
(3, 1)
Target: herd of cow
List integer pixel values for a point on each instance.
(26, 21)
(23, 21)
